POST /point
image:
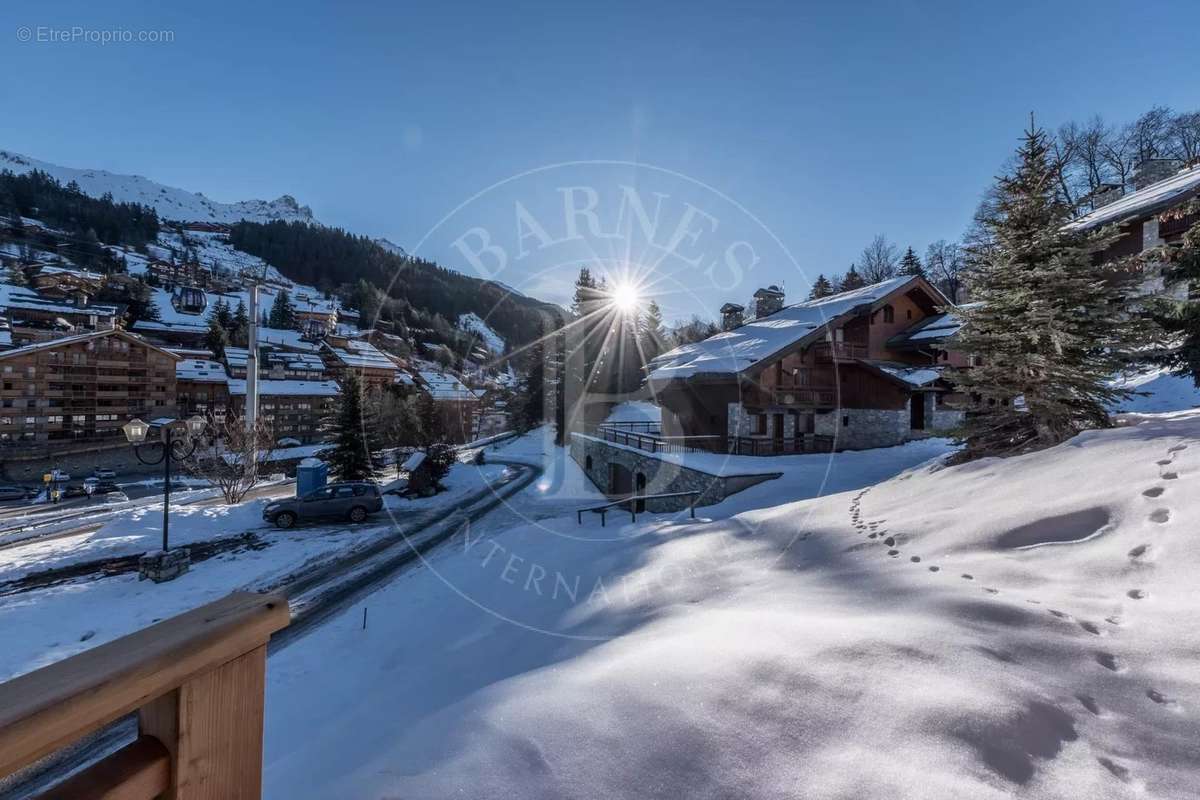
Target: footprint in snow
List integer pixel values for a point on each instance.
(1113, 621)
(1170, 476)
(1136, 594)
(893, 552)
(1160, 515)
(966, 576)
(1108, 661)
(1089, 702)
(1177, 448)
(990, 590)
(1154, 491)
(890, 541)
(934, 568)
(1119, 772)
(1160, 698)
(1059, 614)
(1163, 462)
(915, 559)
(1139, 551)
(1091, 628)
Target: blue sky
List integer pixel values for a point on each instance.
(828, 122)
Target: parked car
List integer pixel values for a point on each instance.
(105, 474)
(350, 500)
(74, 490)
(105, 487)
(15, 493)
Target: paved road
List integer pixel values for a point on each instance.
(314, 596)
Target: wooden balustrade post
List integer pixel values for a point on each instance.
(196, 682)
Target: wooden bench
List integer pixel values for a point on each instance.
(196, 682)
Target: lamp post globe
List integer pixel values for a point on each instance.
(196, 425)
(135, 431)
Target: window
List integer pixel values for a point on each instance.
(344, 491)
(587, 463)
(845, 421)
(889, 314)
(760, 424)
(31, 420)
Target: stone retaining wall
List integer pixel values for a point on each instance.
(662, 477)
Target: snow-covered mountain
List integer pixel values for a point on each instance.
(391, 247)
(170, 203)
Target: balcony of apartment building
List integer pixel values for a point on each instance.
(832, 352)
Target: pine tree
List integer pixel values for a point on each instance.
(283, 313)
(911, 265)
(851, 280)
(1050, 329)
(215, 339)
(350, 458)
(239, 326)
(432, 429)
(821, 288)
(1181, 318)
(652, 334)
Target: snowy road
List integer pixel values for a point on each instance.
(314, 595)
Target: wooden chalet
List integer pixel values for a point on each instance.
(855, 370)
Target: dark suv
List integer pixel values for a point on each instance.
(350, 500)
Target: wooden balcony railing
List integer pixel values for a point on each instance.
(805, 396)
(196, 682)
(828, 352)
(765, 446)
(1173, 225)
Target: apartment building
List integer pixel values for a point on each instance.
(81, 389)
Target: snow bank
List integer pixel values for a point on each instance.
(899, 641)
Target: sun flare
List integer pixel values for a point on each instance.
(625, 297)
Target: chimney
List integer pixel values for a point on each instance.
(731, 316)
(767, 301)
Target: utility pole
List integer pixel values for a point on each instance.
(252, 368)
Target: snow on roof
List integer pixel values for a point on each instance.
(83, 337)
(1146, 200)
(200, 369)
(443, 386)
(738, 349)
(269, 388)
(78, 273)
(930, 330)
(913, 376)
(286, 338)
(19, 297)
(362, 354)
(181, 327)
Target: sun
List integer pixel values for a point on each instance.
(625, 297)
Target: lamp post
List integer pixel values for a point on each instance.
(178, 440)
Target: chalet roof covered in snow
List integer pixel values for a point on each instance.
(19, 297)
(929, 331)
(730, 352)
(907, 373)
(269, 388)
(154, 326)
(83, 337)
(444, 386)
(283, 337)
(362, 355)
(201, 370)
(1145, 201)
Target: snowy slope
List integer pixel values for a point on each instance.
(490, 339)
(924, 638)
(1162, 392)
(169, 202)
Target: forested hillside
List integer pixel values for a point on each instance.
(414, 292)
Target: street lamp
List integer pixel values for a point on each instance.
(178, 440)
